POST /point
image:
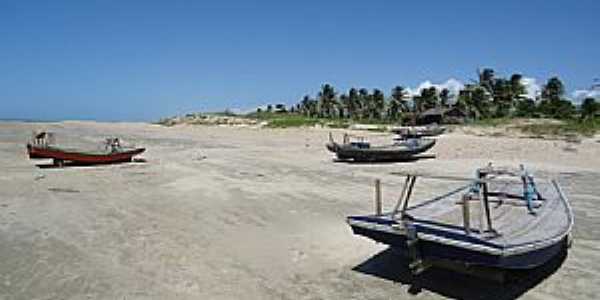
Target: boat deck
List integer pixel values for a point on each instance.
(512, 223)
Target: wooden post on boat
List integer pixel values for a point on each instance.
(402, 197)
(466, 214)
(378, 209)
(409, 193)
(486, 200)
(481, 213)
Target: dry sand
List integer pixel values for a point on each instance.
(242, 213)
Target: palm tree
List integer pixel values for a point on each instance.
(480, 101)
(428, 98)
(589, 108)
(309, 107)
(378, 104)
(395, 103)
(354, 103)
(517, 87)
(365, 102)
(503, 97)
(486, 79)
(554, 89)
(522, 106)
(327, 100)
(444, 97)
(305, 106)
(552, 103)
(399, 95)
(394, 109)
(417, 104)
(344, 106)
(475, 100)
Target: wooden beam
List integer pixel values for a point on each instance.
(409, 192)
(402, 197)
(378, 209)
(487, 206)
(466, 214)
(536, 204)
(457, 178)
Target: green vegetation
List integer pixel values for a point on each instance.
(490, 97)
(225, 113)
(492, 122)
(489, 101)
(589, 109)
(288, 119)
(292, 121)
(587, 127)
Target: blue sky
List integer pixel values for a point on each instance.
(140, 60)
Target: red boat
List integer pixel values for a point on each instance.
(113, 153)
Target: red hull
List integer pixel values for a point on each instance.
(79, 157)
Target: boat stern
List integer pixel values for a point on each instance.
(33, 153)
(381, 229)
(332, 147)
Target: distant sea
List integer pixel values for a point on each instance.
(14, 120)
(28, 120)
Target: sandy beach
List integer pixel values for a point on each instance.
(245, 213)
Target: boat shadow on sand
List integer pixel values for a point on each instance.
(51, 165)
(392, 265)
(388, 161)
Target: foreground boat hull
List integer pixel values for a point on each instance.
(437, 251)
(80, 157)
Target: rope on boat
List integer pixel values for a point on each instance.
(529, 189)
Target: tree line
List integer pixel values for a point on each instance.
(490, 96)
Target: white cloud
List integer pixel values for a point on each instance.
(453, 85)
(532, 88)
(580, 95)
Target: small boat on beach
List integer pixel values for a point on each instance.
(501, 219)
(362, 150)
(406, 132)
(41, 147)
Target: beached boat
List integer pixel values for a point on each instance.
(41, 148)
(362, 150)
(418, 131)
(501, 219)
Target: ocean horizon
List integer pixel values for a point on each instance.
(33, 120)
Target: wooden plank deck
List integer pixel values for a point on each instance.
(511, 219)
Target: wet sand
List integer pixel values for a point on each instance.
(232, 213)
